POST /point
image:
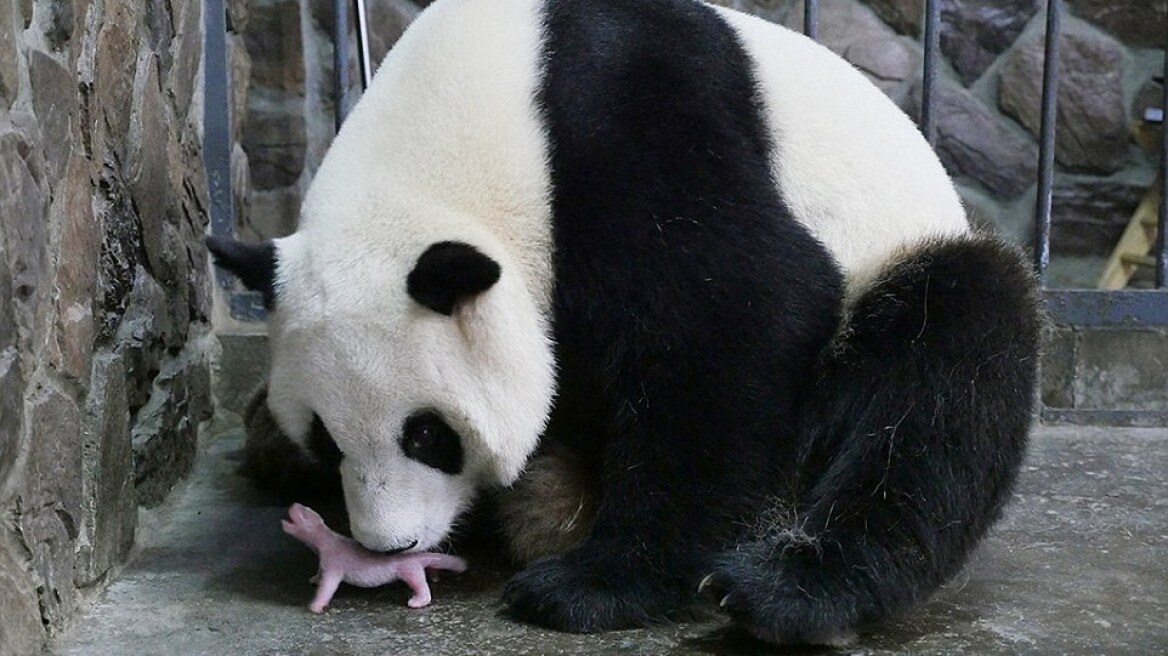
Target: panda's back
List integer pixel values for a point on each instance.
(458, 117)
(851, 165)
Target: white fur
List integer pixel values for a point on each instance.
(850, 164)
(446, 145)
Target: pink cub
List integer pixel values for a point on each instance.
(343, 559)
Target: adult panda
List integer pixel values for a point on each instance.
(716, 270)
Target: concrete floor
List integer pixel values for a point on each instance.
(1079, 566)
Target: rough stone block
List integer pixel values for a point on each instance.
(858, 35)
(76, 276)
(275, 139)
(49, 509)
(11, 417)
(146, 171)
(143, 333)
(1090, 215)
(23, 206)
(111, 507)
(273, 213)
(59, 23)
(1122, 370)
(166, 429)
(387, 20)
(1058, 368)
(241, 367)
(972, 142)
(9, 55)
(121, 252)
(238, 15)
(975, 32)
(276, 45)
(1140, 23)
(55, 101)
(188, 52)
(115, 64)
(1092, 120)
(21, 631)
(906, 16)
(239, 65)
(161, 31)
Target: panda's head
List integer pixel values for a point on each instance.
(424, 357)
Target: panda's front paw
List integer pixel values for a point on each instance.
(566, 594)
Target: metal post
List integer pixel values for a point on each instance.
(341, 61)
(217, 126)
(929, 81)
(811, 18)
(1162, 224)
(1047, 139)
(363, 44)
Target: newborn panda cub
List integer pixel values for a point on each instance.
(343, 559)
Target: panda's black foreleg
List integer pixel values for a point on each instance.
(637, 565)
(679, 458)
(911, 442)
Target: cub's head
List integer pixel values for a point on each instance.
(427, 361)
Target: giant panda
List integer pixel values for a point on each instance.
(672, 260)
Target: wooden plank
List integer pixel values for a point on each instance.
(1137, 241)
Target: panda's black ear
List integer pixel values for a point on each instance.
(253, 264)
(448, 272)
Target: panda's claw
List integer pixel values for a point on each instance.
(705, 582)
(725, 600)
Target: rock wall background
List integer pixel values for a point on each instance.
(989, 101)
(104, 294)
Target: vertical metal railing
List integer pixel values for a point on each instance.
(341, 77)
(811, 18)
(363, 44)
(244, 305)
(929, 75)
(1162, 222)
(1046, 143)
(340, 61)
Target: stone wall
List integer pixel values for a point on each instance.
(104, 294)
(989, 100)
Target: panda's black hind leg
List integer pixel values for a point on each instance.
(911, 440)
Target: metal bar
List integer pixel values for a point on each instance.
(1162, 227)
(341, 61)
(1046, 139)
(1125, 418)
(363, 44)
(1093, 308)
(217, 128)
(929, 79)
(811, 18)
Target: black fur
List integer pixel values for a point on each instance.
(689, 305)
(448, 272)
(280, 466)
(911, 438)
(253, 264)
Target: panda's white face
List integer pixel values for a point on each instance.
(433, 381)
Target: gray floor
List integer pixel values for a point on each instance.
(1079, 566)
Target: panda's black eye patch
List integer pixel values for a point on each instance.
(427, 439)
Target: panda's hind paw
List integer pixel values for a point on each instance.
(762, 597)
